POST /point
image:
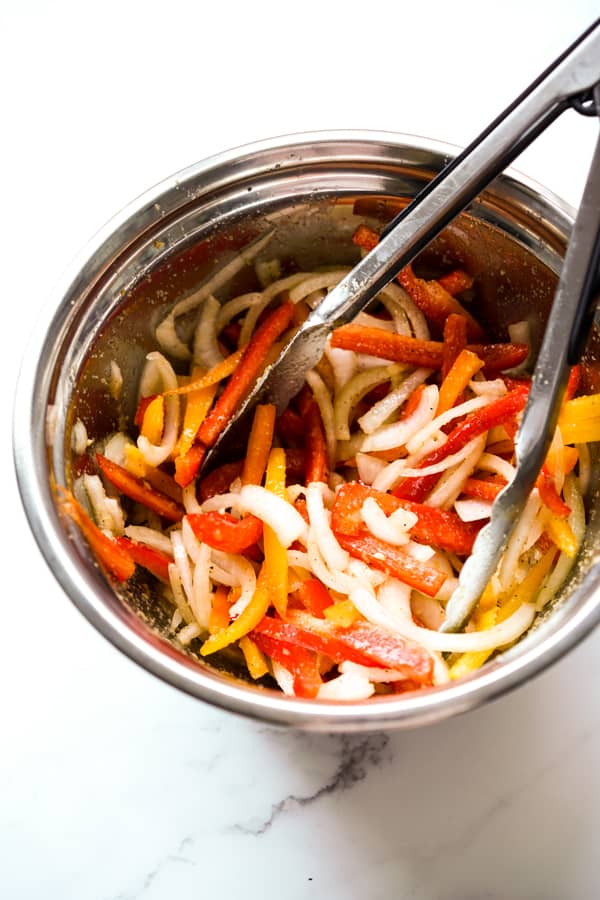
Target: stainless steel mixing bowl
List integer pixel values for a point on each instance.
(166, 242)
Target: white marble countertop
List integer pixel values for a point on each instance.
(114, 785)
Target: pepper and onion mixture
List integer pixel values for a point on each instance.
(326, 556)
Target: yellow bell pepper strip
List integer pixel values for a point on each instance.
(514, 598)
(259, 444)
(459, 375)
(213, 376)
(255, 658)
(562, 535)
(343, 613)
(114, 557)
(245, 622)
(154, 420)
(198, 404)
(276, 564)
(579, 420)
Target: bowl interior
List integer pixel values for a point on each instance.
(313, 194)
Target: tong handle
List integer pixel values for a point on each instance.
(568, 81)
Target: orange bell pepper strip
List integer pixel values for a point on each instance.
(213, 376)
(259, 444)
(465, 365)
(107, 551)
(473, 425)
(442, 528)
(393, 561)
(302, 663)
(362, 643)
(245, 622)
(482, 490)
(414, 352)
(455, 341)
(276, 564)
(314, 596)
(224, 532)
(218, 618)
(154, 419)
(245, 373)
(138, 490)
(188, 465)
(155, 561)
(456, 281)
(197, 406)
(435, 302)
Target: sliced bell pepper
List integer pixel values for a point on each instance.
(115, 558)
(245, 373)
(245, 622)
(443, 529)
(475, 424)
(455, 341)
(290, 426)
(482, 490)
(465, 365)
(143, 404)
(188, 465)
(393, 561)
(138, 490)
(315, 597)
(276, 564)
(414, 352)
(259, 444)
(456, 281)
(561, 534)
(155, 561)
(219, 610)
(362, 643)
(302, 663)
(550, 496)
(435, 302)
(255, 658)
(156, 478)
(219, 480)
(224, 532)
(213, 376)
(343, 613)
(197, 406)
(316, 445)
(154, 420)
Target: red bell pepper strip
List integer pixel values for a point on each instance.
(187, 466)
(550, 496)
(456, 282)
(115, 558)
(482, 490)
(455, 340)
(393, 561)
(155, 561)
(315, 597)
(429, 354)
(245, 373)
(143, 405)
(472, 426)
(290, 426)
(438, 527)
(302, 663)
(137, 489)
(362, 643)
(435, 302)
(316, 465)
(225, 532)
(219, 480)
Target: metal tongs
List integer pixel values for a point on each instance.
(572, 81)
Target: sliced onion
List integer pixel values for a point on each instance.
(585, 468)
(393, 297)
(472, 510)
(474, 641)
(364, 318)
(365, 574)
(284, 284)
(427, 610)
(343, 364)
(518, 539)
(233, 308)
(106, 511)
(336, 581)
(320, 530)
(188, 633)
(166, 334)
(495, 388)
(394, 528)
(452, 482)
(206, 351)
(189, 499)
(116, 446)
(368, 467)
(520, 333)
(323, 399)
(298, 560)
(428, 431)
(115, 380)
(182, 562)
(79, 438)
(283, 677)
(178, 594)
(395, 435)
(221, 502)
(370, 673)
(354, 390)
(349, 686)
(281, 516)
(384, 408)
(267, 271)
(242, 569)
(155, 454)
(150, 537)
(422, 552)
(201, 599)
(489, 462)
(317, 282)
